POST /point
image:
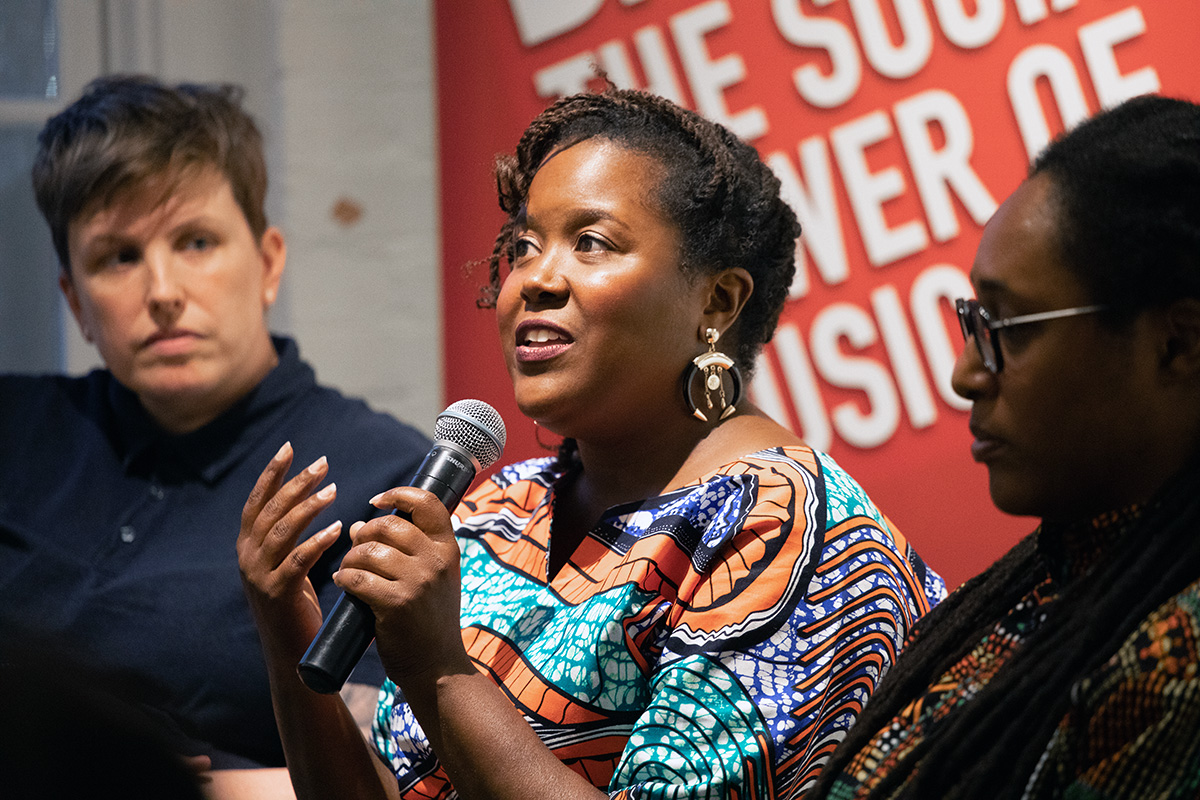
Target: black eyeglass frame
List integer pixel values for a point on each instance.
(973, 319)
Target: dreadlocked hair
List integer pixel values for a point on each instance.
(724, 199)
(1127, 184)
(991, 746)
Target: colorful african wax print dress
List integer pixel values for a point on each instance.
(1133, 727)
(714, 641)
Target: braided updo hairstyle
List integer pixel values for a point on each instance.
(716, 189)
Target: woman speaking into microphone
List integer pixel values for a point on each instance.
(686, 600)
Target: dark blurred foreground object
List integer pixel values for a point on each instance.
(64, 735)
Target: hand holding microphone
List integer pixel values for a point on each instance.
(469, 436)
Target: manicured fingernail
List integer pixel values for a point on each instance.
(331, 530)
(328, 492)
(283, 452)
(354, 528)
(317, 466)
(375, 500)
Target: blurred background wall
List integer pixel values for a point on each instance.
(343, 91)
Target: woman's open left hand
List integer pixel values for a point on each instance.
(274, 567)
(408, 572)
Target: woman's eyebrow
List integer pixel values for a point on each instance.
(991, 286)
(584, 215)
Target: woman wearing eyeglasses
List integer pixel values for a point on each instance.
(1069, 668)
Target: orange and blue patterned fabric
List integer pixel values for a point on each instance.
(714, 641)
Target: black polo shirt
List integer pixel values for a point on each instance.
(117, 539)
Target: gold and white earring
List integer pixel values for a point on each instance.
(716, 370)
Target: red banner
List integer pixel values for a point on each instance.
(895, 126)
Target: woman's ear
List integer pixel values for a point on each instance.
(74, 303)
(272, 249)
(1180, 348)
(728, 293)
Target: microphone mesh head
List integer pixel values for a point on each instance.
(474, 426)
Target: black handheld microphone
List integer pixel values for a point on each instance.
(469, 436)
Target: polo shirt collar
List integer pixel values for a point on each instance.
(210, 451)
